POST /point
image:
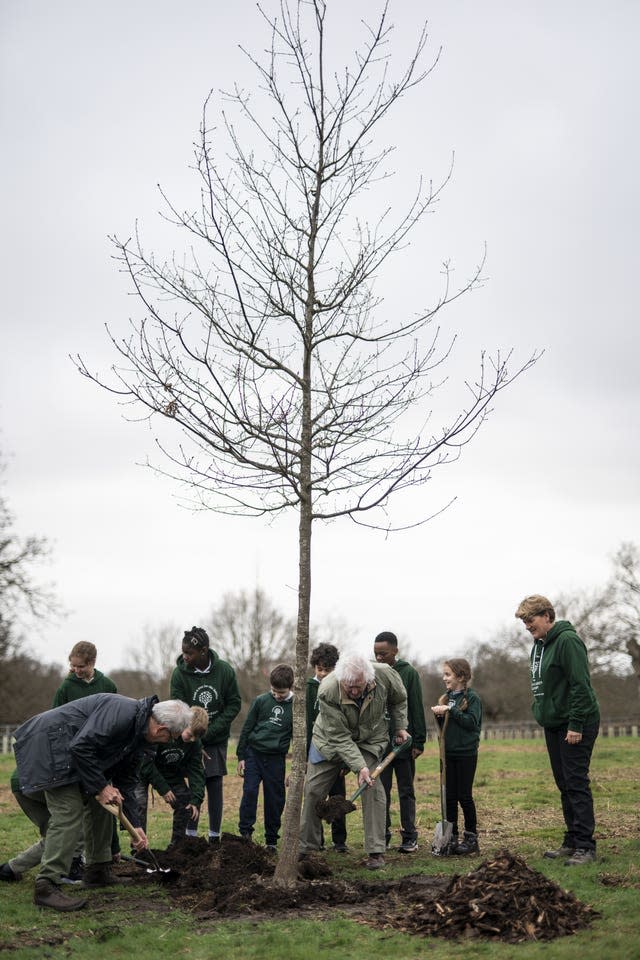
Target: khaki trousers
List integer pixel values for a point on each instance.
(68, 813)
(35, 807)
(318, 781)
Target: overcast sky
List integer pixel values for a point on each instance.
(101, 102)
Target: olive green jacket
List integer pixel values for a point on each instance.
(343, 729)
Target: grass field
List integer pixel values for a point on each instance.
(518, 808)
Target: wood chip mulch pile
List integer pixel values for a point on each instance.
(502, 900)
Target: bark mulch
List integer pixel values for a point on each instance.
(503, 899)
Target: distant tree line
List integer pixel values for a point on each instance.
(253, 635)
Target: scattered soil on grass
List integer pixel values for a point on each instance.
(503, 899)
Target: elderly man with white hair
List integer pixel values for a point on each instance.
(352, 730)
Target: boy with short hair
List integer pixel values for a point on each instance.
(262, 752)
(385, 650)
(323, 659)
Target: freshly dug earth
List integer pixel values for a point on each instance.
(503, 899)
(333, 808)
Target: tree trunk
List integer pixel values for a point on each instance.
(287, 869)
(287, 866)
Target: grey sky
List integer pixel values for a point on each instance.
(538, 101)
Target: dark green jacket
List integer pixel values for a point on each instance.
(417, 726)
(172, 764)
(313, 686)
(216, 691)
(462, 736)
(560, 681)
(72, 688)
(268, 726)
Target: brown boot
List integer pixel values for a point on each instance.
(48, 894)
(101, 875)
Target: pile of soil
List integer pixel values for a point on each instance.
(503, 899)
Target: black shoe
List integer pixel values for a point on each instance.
(559, 853)
(76, 872)
(468, 845)
(580, 857)
(408, 846)
(48, 894)
(7, 874)
(271, 848)
(340, 848)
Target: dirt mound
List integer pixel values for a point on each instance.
(502, 900)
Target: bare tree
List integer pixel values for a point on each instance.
(154, 656)
(267, 344)
(21, 595)
(608, 618)
(26, 684)
(247, 630)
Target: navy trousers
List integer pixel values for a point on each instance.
(268, 770)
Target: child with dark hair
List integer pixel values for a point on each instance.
(262, 753)
(202, 679)
(323, 660)
(459, 714)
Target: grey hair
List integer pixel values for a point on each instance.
(173, 714)
(353, 667)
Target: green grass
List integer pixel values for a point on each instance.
(518, 808)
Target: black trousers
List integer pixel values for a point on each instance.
(405, 771)
(181, 819)
(460, 773)
(570, 768)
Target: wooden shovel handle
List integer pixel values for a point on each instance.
(382, 765)
(119, 814)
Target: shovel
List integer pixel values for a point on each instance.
(164, 874)
(336, 807)
(443, 836)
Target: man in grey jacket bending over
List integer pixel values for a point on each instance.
(352, 730)
(79, 756)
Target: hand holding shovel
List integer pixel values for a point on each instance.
(443, 836)
(336, 807)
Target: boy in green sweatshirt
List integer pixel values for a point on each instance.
(385, 650)
(262, 752)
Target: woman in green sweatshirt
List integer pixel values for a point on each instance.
(565, 704)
